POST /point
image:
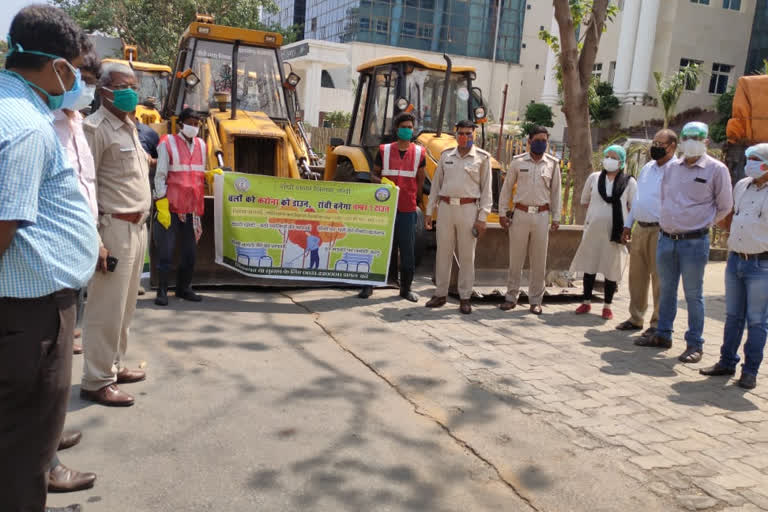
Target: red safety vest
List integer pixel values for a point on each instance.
(186, 175)
(402, 171)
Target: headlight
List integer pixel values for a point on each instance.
(480, 113)
(293, 79)
(191, 80)
(401, 104)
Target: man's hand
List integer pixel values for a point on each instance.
(555, 226)
(480, 227)
(101, 265)
(428, 222)
(626, 235)
(504, 222)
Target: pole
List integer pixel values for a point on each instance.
(496, 32)
(501, 128)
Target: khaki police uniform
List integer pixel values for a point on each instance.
(124, 199)
(461, 195)
(536, 197)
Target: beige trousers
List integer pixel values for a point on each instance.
(529, 234)
(642, 270)
(454, 231)
(111, 302)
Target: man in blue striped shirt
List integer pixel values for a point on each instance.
(48, 249)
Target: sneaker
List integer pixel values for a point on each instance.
(607, 314)
(583, 309)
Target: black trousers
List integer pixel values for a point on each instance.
(35, 379)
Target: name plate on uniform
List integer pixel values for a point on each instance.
(455, 201)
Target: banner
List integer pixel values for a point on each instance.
(307, 230)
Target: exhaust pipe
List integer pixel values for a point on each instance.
(443, 100)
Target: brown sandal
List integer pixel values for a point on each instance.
(506, 306)
(628, 326)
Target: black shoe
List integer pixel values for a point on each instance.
(654, 341)
(184, 285)
(189, 294)
(691, 355)
(366, 292)
(406, 280)
(717, 371)
(68, 508)
(162, 290)
(747, 381)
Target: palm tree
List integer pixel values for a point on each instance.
(671, 88)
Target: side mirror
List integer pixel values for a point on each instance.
(480, 115)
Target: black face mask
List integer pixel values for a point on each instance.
(658, 153)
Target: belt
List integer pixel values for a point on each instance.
(133, 218)
(686, 236)
(532, 209)
(648, 224)
(458, 200)
(756, 256)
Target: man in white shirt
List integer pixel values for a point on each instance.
(645, 210)
(746, 275)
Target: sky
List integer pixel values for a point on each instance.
(9, 10)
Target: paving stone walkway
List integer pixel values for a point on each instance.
(700, 441)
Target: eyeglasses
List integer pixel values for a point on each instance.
(123, 87)
(659, 145)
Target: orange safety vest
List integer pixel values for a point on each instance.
(186, 175)
(402, 171)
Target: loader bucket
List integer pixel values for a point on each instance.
(492, 258)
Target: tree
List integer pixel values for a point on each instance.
(3, 52)
(581, 25)
(602, 103)
(537, 114)
(671, 88)
(724, 107)
(337, 119)
(155, 27)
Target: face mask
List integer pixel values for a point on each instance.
(693, 148)
(465, 141)
(405, 133)
(124, 99)
(610, 164)
(538, 147)
(86, 97)
(72, 97)
(190, 131)
(753, 169)
(658, 153)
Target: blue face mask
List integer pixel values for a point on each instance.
(54, 101)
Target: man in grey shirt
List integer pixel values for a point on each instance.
(695, 193)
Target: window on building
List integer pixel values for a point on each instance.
(734, 5)
(382, 26)
(597, 70)
(721, 74)
(611, 71)
(684, 63)
(314, 25)
(703, 2)
(326, 80)
(365, 23)
(409, 29)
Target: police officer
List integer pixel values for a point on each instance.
(461, 191)
(537, 176)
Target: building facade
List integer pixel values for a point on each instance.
(647, 36)
(758, 45)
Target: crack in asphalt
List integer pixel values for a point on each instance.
(459, 441)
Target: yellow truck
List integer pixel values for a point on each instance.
(234, 78)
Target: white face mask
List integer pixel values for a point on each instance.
(86, 97)
(753, 169)
(693, 148)
(610, 164)
(190, 131)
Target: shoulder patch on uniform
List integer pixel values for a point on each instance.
(521, 156)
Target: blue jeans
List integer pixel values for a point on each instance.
(404, 241)
(686, 259)
(746, 302)
(314, 258)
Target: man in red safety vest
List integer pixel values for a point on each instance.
(180, 202)
(402, 162)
